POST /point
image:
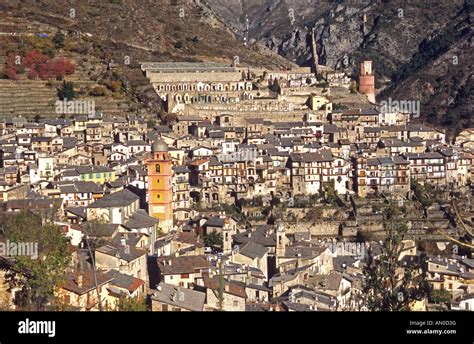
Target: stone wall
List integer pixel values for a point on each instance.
(177, 77)
(318, 228)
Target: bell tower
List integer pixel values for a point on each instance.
(160, 191)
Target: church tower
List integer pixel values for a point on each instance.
(367, 81)
(160, 191)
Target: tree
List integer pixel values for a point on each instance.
(169, 118)
(58, 68)
(66, 91)
(11, 69)
(390, 285)
(131, 304)
(213, 239)
(330, 196)
(421, 193)
(150, 123)
(36, 276)
(34, 61)
(41, 66)
(353, 87)
(440, 296)
(58, 40)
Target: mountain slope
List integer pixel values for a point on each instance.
(111, 37)
(411, 43)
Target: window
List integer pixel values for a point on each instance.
(236, 303)
(157, 168)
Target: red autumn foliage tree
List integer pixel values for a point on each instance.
(11, 68)
(60, 67)
(41, 66)
(34, 61)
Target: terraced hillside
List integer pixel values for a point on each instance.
(108, 40)
(26, 98)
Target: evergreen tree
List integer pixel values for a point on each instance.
(390, 285)
(58, 40)
(66, 91)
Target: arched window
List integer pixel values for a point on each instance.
(157, 168)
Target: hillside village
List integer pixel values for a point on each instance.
(264, 190)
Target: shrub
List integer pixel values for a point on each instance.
(150, 123)
(213, 239)
(440, 296)
(99, 91)
(67, 91)
(58, 40)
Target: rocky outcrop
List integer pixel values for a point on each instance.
(412, 44)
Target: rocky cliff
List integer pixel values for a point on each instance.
(421, 50)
